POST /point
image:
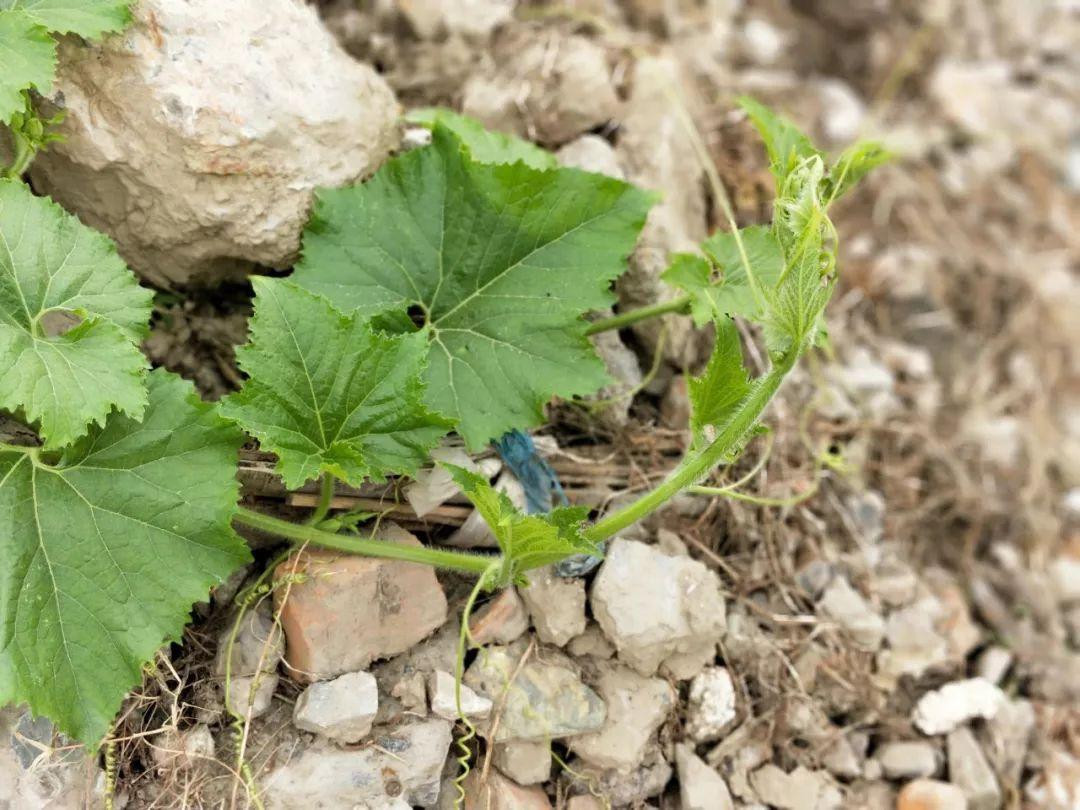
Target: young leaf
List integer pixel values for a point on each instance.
(105, 551)
(500, 261)
(853, 165)
(52, 268)
(483, 144)
(722, 386)
(786, 145)
(330, 394)
(87, 18)
(526, 541)
(693, 275)
(28, 55)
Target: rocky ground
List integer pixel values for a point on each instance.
(901, 628)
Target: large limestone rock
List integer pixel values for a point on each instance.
(195, 138)
(543, 700)
(402, 768)
(658, 610)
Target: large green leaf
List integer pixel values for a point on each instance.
(54, 268)
(500, 262)
(716, 394)
(484, 145)
(328, 393)
(106, 549)
(526, 541)
(27, 59)
(87, 18)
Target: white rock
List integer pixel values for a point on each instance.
(181, 750)
(411, 692)
(475, 19)
(527, 763)
(443, 698)
(544, 702)
(474, 532)
(762, 41)
(942, 710)
(614, 399)
(591, 153)
(700, 787)
(636, 708)
(592, 642)
(1006, 738)
(493, 791)
(658, 610)
(1057, 785)
(556, 605)
(908, 759)
(35, 774)
(1065, 573)
(656, 153)
(549, 84)
(969, 771)
(404, 765)
(801, 789)
(710, 708)
(622, 788)
(196, 138)
(434, 486)
(500, 621)
(843, 758)
(842, 111)
(341, 710)
(914, 644)
(993, 664)
(846, 606)
(256, 652)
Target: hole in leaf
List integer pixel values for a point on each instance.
(418, 315)
(57, 322)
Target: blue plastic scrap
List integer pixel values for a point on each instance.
(542, 490)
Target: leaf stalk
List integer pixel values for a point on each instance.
(680, 305)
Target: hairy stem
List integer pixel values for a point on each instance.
(367, 546)
(675, 305)
(326, 495)
(696, 465)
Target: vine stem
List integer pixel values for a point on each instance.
(675, 305)
(367, 546)
(695, 466)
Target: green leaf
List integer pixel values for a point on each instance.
(526, 541)
(105, 551)
(328, 393)
(483, 144)
(732, 293)
(716, 394)
(786, 144)
(87, 18)
(693, 275)
(853, 165)
(499, 261)
(28, 56)
(54, 268)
